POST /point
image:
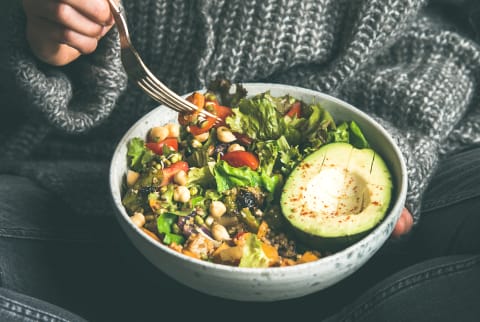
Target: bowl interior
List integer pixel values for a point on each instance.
(280, 280)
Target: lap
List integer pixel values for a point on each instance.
(439, 289)
(87, 265)
(19, 307)
(27, 211)
(450, 218)
(456, 179)
(82, 263)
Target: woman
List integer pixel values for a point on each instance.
(67, 102)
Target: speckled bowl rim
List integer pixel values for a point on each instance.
(385, 227)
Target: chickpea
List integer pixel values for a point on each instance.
(132, 177)
(225, 135)
(138, 219)
(158, 133)
(173, 130)
(202, 137)
(181, 194)
(217, 209)
(180, 178)
(235, 147)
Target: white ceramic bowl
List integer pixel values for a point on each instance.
(265, 284)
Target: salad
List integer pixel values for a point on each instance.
(210, 189)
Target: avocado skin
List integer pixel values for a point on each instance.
(328, 244)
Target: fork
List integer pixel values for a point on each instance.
(139, 73)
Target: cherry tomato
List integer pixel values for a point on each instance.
(198, 99)
(219, 111)
(222, 112)
(157, 147)
(241, 158)
(169, 172)
(191, 120)
(295, 110)
(203, 127)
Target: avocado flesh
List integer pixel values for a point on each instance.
(337, 193)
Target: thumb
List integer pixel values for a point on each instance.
(404, 224)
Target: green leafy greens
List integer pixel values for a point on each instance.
(138, 155)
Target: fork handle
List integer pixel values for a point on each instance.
(120, 22)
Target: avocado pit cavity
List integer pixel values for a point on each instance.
(345, 194)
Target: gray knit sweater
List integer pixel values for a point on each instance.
(416, 74)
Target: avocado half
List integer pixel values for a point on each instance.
(336, 195)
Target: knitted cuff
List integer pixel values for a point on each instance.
(421, 157)
(74, 98)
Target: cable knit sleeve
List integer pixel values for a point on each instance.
(74, 98)
(423, 89)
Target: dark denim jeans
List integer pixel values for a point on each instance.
(87, 266)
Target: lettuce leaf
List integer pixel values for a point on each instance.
(289, 155)
(253, 255)
(341, 133)
(164, 227)
(228, 177)
(201, 176)
(262, 118)
(357, 139)
(318, 118)
(258, 118)
(138, 155)
(349, 132)
(222, 89)
(277, 154)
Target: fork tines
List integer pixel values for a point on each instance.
(138, 72)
